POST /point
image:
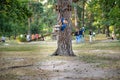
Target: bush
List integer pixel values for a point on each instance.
(118, 36)
(21, 39)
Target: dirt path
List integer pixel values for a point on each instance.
(74, 70)
(71, 69)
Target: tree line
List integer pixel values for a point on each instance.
(102, 16)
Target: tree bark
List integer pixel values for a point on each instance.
(83, 14)
(99, 30)
(103, 31)
(76, 23)
(64, 38)
(107, 31)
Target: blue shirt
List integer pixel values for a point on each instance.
(81, 32)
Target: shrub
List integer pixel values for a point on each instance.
(21, 39)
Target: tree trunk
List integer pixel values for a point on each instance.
(76, 23)
(99, 30)
(83, 19)
(107, 31)
(29, 19)
(29, 26)
(64, 38)
(103, 31)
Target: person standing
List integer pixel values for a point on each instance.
(28, 37)
(3, 39)
(81, 32)
(113, 35)
(90, 36)
(36, 36)
(93, 35)
(33, 37)
(77, 36)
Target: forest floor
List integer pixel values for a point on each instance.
(99, 60)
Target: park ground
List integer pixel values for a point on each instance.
(99, 60)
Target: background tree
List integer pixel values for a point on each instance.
(94, 15)
(37, 9)
(44, 17)
(12, 15)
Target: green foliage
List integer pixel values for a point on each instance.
(37, 9)
(44, 17)
(21, 39)
(103, 13)
(13, 13)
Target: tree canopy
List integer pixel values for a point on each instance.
(99, 15)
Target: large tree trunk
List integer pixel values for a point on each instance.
(64, 38)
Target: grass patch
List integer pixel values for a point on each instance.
(100, 53)
(18, 48)
(98, 45)
(104, 61)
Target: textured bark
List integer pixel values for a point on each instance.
(76, 23)
(64, 39)
(107, 31)
(83, 21)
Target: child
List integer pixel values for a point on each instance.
(77, 36)
(64, 23)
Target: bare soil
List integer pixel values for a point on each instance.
(23, 66)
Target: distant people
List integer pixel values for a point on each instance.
(83, 29)
(28, 37)
(3, 39)
(77, 36)
(42, 38)
(93, 36)
(90, 36)
(36, 36)
(81, 35)
(113, 35)
(33, 37)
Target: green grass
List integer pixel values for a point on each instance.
(104, 61)
(100, 53)
(17, 48)
(99, 45)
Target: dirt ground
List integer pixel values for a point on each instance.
(39, 65)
